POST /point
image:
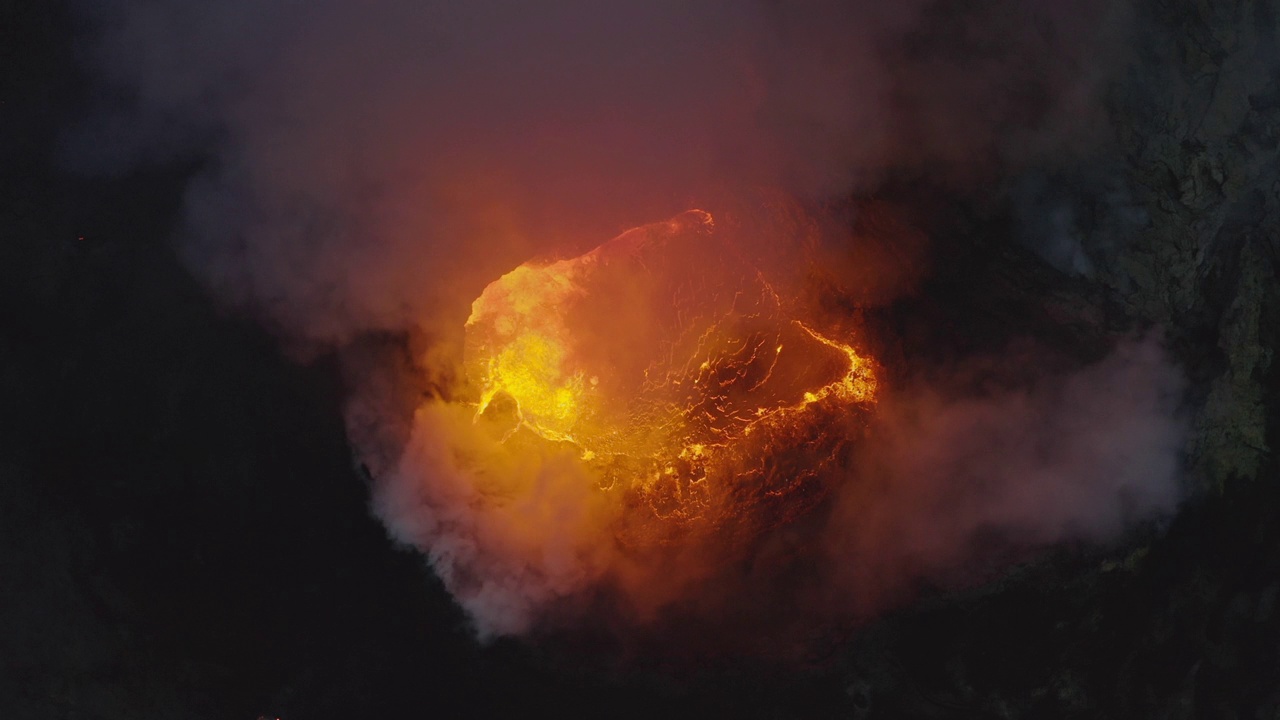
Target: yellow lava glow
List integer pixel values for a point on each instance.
(531, 364)
(670, 367)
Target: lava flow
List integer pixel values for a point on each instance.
(674, 371)
(633, 421)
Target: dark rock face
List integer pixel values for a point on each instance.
(182, 533)
(1179, 228)
(1198, 118)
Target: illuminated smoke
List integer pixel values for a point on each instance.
(698, 445)
(376, 164)
(655, 397)
(373, 167)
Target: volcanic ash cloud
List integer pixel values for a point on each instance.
(369, 169)
(653, 421)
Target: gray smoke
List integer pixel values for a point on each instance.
(375, 163)
(1079, 455)
(370, 166)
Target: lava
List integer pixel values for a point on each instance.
(677, 375)
(668, 436)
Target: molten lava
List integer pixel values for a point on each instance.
(675, 373)
(662, 439)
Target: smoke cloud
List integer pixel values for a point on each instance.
(947, 475)
(375, 164)
(371, 167)
(947, 486)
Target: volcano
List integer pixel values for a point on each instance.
(333, 383)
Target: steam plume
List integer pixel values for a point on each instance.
(372, 166)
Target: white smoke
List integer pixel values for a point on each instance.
(370, 166)
(1078, 455)
(374, 164)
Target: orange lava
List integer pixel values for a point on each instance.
(684, 384)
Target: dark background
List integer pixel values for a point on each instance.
(183, 532)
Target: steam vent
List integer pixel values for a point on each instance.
(832, 359)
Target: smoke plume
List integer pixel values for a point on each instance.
(368, 168)
(1073, 456)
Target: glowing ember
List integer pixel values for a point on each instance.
(673, 370)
